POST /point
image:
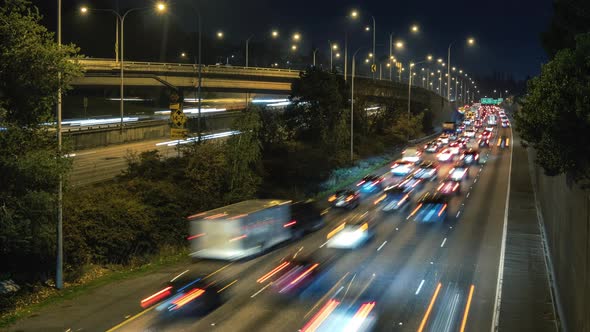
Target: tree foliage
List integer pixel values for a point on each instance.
(571, 17)
(555, 117)
(30, 165)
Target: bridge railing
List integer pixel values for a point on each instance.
(111, 65)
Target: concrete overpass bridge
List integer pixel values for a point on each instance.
(182, 76)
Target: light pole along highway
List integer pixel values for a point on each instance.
(352, 104)
(160, 7)
(470, 42)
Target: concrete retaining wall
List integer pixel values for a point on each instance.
(566, 218)
(92, 138)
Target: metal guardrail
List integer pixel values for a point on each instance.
(111, 65)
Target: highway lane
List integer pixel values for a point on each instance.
(461, 253)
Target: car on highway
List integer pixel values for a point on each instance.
(459, 172)
(186, 293)
(503, 142)
(446, 155)
(370, 183)
(453, 137)
(449, 187)
(294, 274)
(402, 167)
(346, 198)
(469, 133)
(431, 208)
(338, 315)
(306, 217)
(431, 147)
(412, 154)
(505, 124)
(353, 231)
(483, 142)
(394, 198)
(444, 139)
(455, 147)
(427, 170)
(470, 156)
(410, 183)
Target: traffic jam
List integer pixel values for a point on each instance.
(428, 185)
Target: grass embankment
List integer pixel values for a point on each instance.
(31, 299)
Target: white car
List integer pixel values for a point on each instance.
(469, 133)
(445, 155)
(402, 167)
(412, 155)
(444, 139)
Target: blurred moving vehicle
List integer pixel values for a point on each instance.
(240, 230)
(402, 167)
(410, 183)
(187, 293)
(346, 198)
(469, 133)
(412, 154)
(455, 147)
(370, 183)
(431, 208)
(503, 142)
(427, 170)
(353, 231)
(339, 315)
(295, 273)
(394, 198)
(445, 155)
(470, 157)
(306, 217)
(431, 147)
(459, 172)
(449, 187)
(444, 139)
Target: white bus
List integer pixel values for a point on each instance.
(492, 120)
(239, 230)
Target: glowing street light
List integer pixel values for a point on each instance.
(399, 44)
(220, 34)
(160, 6)
(84, 10)
(274, 33)
(294, 47)
(471, 41)
(429, 57)
(415, 28)
(296, 36)
(354, 14)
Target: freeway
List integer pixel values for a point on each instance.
(420, 277)
(102, 164)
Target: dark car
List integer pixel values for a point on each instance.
(431, 208)
(370, 183)
(503, 142)
(296, 273)
(470, 157)
(395, 198)
(306, 217)
(449, 187)
(349, 199)
(187, 293)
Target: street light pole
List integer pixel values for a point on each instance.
(374, 54)
(314, 52)
(59, 263)
(345, 55)
(248, 49)
(449, 72)
(352, 105)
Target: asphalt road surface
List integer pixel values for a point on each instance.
(421, 277)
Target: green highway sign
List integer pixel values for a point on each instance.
(491, 101)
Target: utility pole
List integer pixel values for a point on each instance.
(59, 266)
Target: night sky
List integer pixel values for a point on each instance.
(507, 31)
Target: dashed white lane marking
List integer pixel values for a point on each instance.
(420, 287)
(260, 291)
(458, 214)
(468, 194)
(324, 244)
(381, 246)
(443, 243)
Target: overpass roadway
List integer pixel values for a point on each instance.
(100, 72)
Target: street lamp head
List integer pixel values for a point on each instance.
(183, 54)
(439, 60)
(415, 28)
(335, 47)
(83, 9)
(296, 36)
(399, 44)
(294, 47)
(370, 55)
(411, 65)
(470, 41)
(274, 33)
(161, 7)
(454, 68)
(366, 60)
(220, 34)
(354, 14)
(429, 58)
(367, 28)
(337, 55)
(438, 70)
(460, 71)
(388, 65)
